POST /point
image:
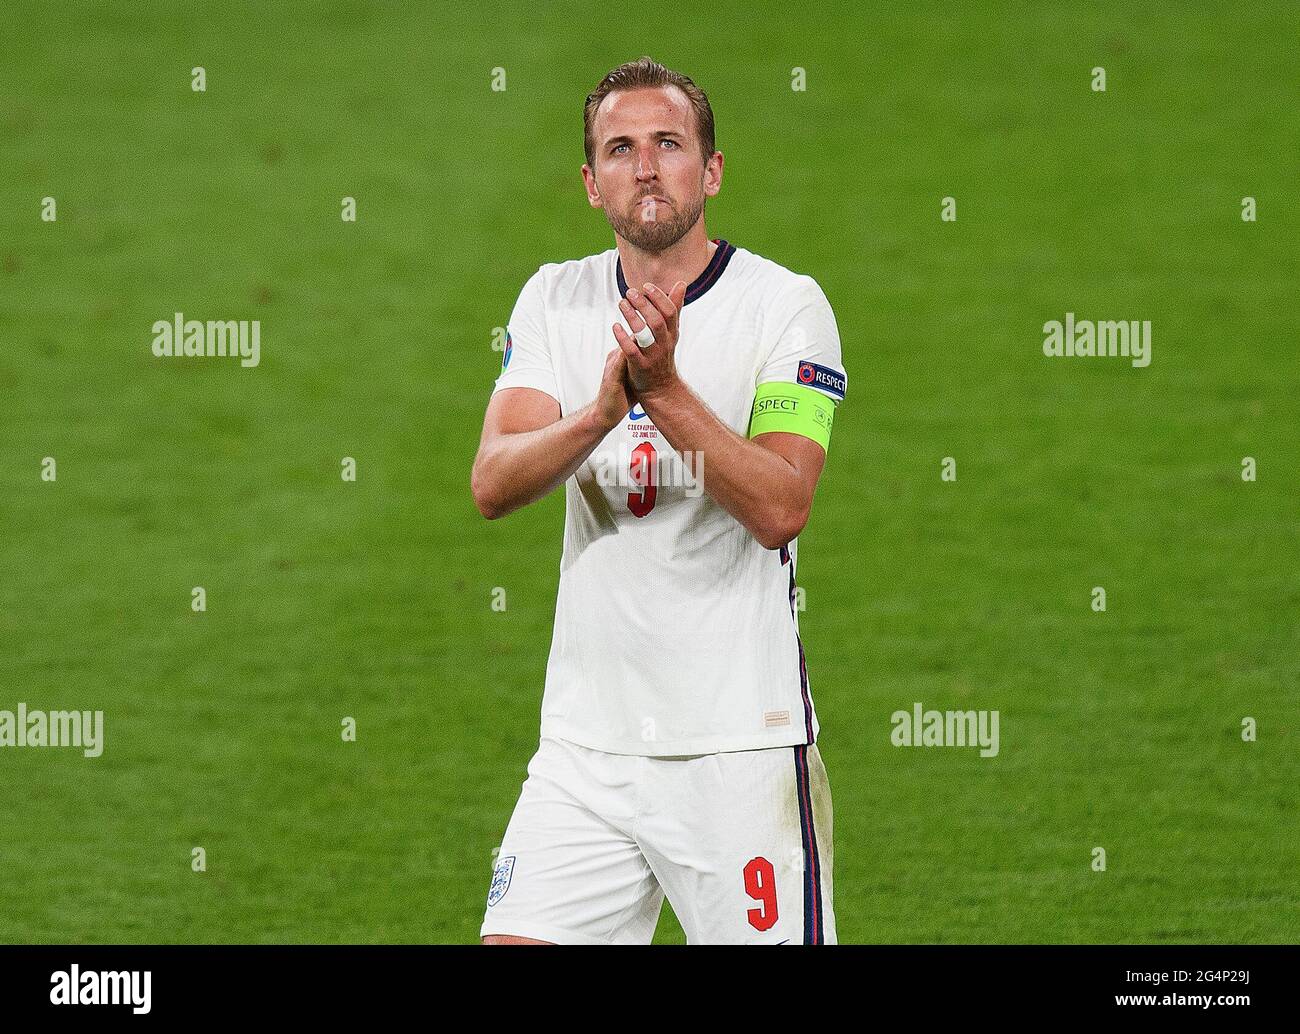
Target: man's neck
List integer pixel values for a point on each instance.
(685, 260)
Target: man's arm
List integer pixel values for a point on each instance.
(528, 449)
(766, 483)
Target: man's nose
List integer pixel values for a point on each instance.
(645, 168)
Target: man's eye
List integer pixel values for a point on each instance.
(619, 147)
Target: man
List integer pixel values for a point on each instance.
(677, 747)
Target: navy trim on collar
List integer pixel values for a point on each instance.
(702, 282)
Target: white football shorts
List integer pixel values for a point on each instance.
(740, 842)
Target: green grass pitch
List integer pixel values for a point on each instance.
(371, 599)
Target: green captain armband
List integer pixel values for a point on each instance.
(793, 408)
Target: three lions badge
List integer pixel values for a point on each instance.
(501, 879)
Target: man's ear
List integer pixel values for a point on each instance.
(713, 175)
(593, 191)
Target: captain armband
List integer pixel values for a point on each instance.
(794, 409)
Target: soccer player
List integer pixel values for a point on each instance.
(678, 738)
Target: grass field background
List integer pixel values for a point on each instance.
(1119, 730)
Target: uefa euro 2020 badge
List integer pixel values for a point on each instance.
(501, 879)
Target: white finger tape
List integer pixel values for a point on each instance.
(644, 338)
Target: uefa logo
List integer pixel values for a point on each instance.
(806, 373)
(505, 359)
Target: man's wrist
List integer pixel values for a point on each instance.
(666, 393)
(593, 424)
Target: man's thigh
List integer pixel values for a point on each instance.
(568, 870)
(742, 844)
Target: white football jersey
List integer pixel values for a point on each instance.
(675, 630)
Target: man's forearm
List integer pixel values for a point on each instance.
(521, 468)
(755, 485)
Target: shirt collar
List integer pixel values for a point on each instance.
(701, 283)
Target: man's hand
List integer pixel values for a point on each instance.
(651, 371)
(614, 397)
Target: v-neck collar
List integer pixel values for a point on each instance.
(698, 286)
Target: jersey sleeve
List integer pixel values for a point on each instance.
(807, 347)
(803, 380)
(526, 362)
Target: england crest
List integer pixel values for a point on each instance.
(501, 879)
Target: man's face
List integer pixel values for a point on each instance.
(650, 176)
